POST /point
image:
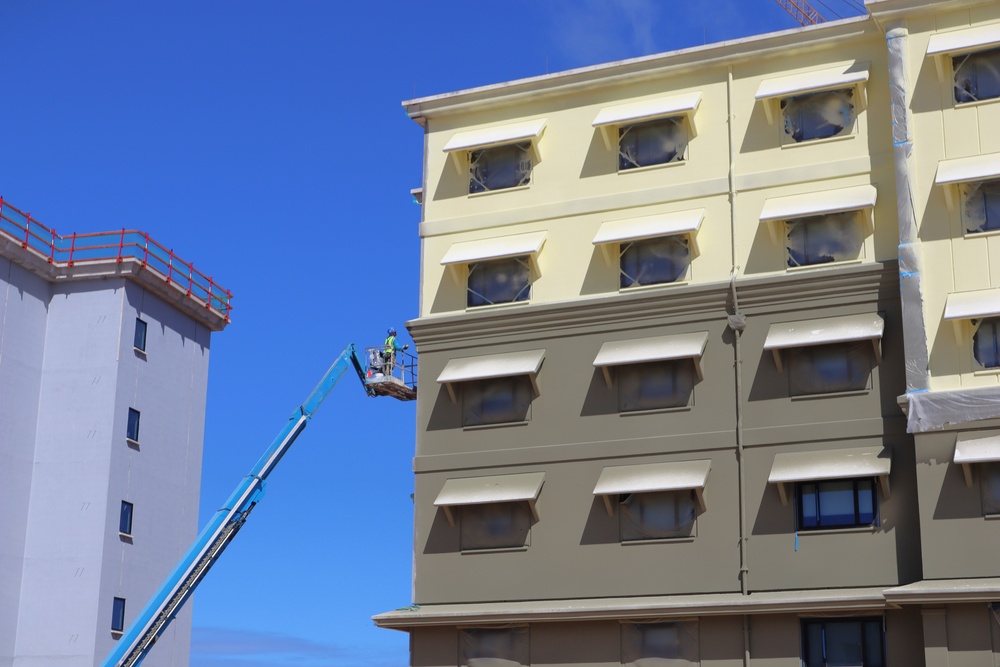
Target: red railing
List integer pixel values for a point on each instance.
(125, 244)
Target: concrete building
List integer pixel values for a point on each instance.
(677, 407)
(104, 345)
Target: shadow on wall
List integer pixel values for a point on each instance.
(766, 256)
(760, 136)
(599, 161)
(445, 414)
(600, 528)
(600, 400)
(451, 184)
(600, 277)
(442, 538)
(768, 383)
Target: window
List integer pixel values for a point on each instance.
(654, 385)
(986, 342)
(652, 142)
(658, 515)
(493, 647)
(494, 526)
(118, 615)
(653, 261)
(835, 642)
(139, 338)
(657, 644)
(496, 401)
(499, 167)
(125, 519)
(982, 207)
(499, 281)
(838, 503)
(818, 115)
(977, 76)
(823, 239)
(989, 487)
(826, 369)
(132, 430)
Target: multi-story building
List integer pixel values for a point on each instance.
(677, 406)
(104, 345)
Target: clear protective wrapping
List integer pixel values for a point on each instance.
(652, 142)
(499, 646)
(981, 212)
(934, 409)
(818, 115)
(977, 76)
(654, 261)
(660, 643)
(825, 238)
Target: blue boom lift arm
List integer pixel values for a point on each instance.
(180, 584)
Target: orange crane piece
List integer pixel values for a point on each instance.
(801, 11)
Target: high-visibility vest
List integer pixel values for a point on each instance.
(390, 344)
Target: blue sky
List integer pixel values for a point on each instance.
(265, 142)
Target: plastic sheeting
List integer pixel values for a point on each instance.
(499, 281)
(661, 384)
(818, 115)
(660, 644)
(494, 526)
(652, 142)
(493, 647)
(986, 343)
(657, 515)
(500, 167)
(822, 239)
(982, 207)
(654, 261)
(977, 76)
(824, 369)
(931, 410)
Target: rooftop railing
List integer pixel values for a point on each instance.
(117, 246)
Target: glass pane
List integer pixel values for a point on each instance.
(843, 644)
(986, 343)
(663, 384)
(132, 430)
(654, 142)
(139, 340)
(977, 76)
(118, 615)
(808, 502)
(873, 643)
(823, 369)
(982, 207)
(866, 501)
(989, 483)
(657, 515)
(654, 261)
(836, 503)
(499, 281)
(823, 239)
(500, 167)
(813, 649)
(125, 521)
(818, 115)
(493, 647)
(495, 525)
(496, 401)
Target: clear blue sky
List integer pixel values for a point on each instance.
(265, 142)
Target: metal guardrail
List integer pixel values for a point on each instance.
(402, 366)
(117, 246)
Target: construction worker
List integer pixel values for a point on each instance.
(389, 350)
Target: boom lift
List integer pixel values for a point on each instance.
(381, 376)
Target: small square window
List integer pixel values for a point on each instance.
(652, 142)
(494, 526)
(822, 239)
(499, 167)
(818, 115)
(499, 281)
(139, 338)
(826, 369)
(654, 385)
(491, 647)
(982, 207)
(118, 615)
(989, 487)
(132, 429)
(660, 644)
(125, 519)
(654, 261)
(831, 642)
(986, 342)
(657, 515)
(496, 400)
(839, 503)
(977, 76)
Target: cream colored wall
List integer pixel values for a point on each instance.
(942, 130)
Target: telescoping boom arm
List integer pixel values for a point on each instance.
(179, 585)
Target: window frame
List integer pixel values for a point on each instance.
(125, 518)
(774, 93)
(523, 295)
(118, 615)
(479, 184)
(807, 356)
(862, 622)
(518, 384)
(520, 644)
(684, 377)
(462, 145)
(132, 432)
(687, 530)
(522, 518)
(139, 342)
(683, 275)
(633, 641)
(678, 121)
(856, 492)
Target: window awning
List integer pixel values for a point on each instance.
(835, 78)
(495, 248)
(964, 306)
(805, 333)
(976, 447)
(652, 477)
(662, 107)
(645, 350)
(943, 45)
(492, 366)
(651, 226)
(830, 464)
(501, 135)
(486, 490)
(778, 209)
(952, 173)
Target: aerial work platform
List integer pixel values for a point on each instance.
(390, 375)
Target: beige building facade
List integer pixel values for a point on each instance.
(693, 370)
